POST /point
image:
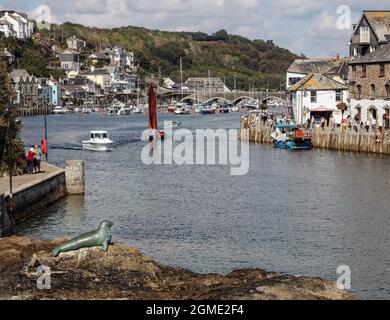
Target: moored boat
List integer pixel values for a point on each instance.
(60, 110)
(290, 137)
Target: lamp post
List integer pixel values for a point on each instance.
(10, 163)
(45, 118)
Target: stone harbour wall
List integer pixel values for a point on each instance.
(75, 178)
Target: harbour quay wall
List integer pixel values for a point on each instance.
(34, 193)
(26, 112)
(333, 138)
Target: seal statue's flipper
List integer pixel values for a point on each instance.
(56, 252)
(100, 237)
(105, 246)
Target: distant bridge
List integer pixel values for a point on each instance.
(230, 97)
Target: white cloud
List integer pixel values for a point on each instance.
(300, 25)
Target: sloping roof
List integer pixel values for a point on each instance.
(75, 38)
(95, 72)
(4, 22)
(382, 54)
(70, 51)
(18, 74)
(111, 69)
(317, 82)
(73, 88)
(380, 23)
(321, 66)
(99, 55)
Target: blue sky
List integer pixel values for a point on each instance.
(303, 26)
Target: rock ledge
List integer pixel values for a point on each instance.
(124, 273)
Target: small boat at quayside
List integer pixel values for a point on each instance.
(99, 142)
(290, 137)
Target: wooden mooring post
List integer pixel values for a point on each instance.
(332, 138)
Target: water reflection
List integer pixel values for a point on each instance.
(300, 213)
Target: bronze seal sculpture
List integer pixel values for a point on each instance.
(100, 237)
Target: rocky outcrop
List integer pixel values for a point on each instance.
(124, 273)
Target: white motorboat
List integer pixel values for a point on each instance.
(99, 142)
(173, 124)
(60, 110)
(182, 109)
(125, 111)
(139, 109)
(86, 110)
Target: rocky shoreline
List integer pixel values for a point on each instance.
(125, 273)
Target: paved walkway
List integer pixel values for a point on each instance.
(26, 181)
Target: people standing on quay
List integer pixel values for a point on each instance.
(368, 123)
(323, 123)
(37, 159)
(30, 156)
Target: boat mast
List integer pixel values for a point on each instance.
(209, 85)
(138, 92)
(181, 78)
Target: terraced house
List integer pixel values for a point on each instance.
(370, 87)
(369, 69)
(16, 24)
(25, 88)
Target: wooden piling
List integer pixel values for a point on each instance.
(331, 138)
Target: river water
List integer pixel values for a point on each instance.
(303, 213)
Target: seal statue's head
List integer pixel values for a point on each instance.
(105, 225)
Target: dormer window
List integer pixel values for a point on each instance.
(364, 35)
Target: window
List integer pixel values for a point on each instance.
(373, 91)
(364, 71)
(364, 34)
(373, 113)
(292, 81)
(359, 89)
(313, 96)
(339, 95)
(382, 70)
(387, 117)
(387, 90)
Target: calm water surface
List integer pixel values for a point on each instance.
(301, 213)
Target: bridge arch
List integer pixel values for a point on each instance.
(242, 98)
(216, 99)
(275, 98)
(192, 99)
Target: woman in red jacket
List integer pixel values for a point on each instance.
(30, 155)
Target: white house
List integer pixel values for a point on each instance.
(7, 28)
(22, 27)
(120, 57)
(76, 43)
(317, 96)
(335, 68)
(70, 60)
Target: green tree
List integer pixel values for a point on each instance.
(6, 94)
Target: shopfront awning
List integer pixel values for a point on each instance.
(322, 109)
